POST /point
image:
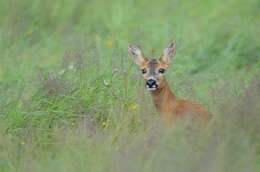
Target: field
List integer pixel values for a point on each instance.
(71, 98)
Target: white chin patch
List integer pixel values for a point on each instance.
(151, 89)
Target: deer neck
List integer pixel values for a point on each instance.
(163, 96)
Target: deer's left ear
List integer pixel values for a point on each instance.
(137, 54)
(168, 53)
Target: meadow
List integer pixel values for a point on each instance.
(71, 98)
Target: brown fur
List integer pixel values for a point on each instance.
(164, 99)
(171, 107)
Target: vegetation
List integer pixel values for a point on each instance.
(72, 100)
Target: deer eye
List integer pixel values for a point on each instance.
(161, 70)
(144, 71)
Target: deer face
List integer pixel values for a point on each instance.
(152, 69)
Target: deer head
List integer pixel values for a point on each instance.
(153, 69)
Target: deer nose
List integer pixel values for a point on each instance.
(151, 82)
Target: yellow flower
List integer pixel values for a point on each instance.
(29, 32)
(133, 106)
(22, 143)
(104, 124)
(110, 43)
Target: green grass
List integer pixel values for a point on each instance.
(72, 100)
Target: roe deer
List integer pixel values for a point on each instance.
(164, 99)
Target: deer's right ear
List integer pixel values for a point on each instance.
(137, 54)
(168, 53)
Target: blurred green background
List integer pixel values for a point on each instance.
(72, 100)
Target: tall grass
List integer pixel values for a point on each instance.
(72, 100)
